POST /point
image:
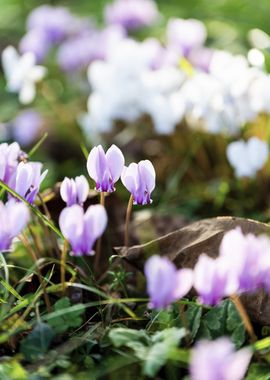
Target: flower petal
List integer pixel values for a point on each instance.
(82, 188)
(95, 220)
(115, 162)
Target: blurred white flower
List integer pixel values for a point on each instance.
(126, 87)
(21, 73)
(247, 157)
(185, 35)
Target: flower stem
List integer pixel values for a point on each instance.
(128, 215)
(245, 318)
(63, 266)
(98, 247)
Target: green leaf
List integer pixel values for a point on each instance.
(63, 322)
(121, 336)
(153, 351)
(223, 320)
(258, 372)
(164, 343)
(37, 343)
(12, 370)
(10, 289)
(193, 316)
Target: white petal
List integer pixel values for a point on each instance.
(95, 221)
(82, 188)
(71, 222)
(115, 162)
(27, 93)
(10, 59)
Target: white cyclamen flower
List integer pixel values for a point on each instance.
(22, 73)
(247, 157)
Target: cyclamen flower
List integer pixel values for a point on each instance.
(132, 14)
(105, 169)
(55, 22)
(27, 179)
(74, 191)
(26, 126)
(250, 256)
(9, 156)
(218, 360)
(13, 219)
(186, 35)
(166, 284)
(140, 179)
(83, 229)
(36, 42)
(247, 157)
(213, 279)
(21, 73)
(78, 52)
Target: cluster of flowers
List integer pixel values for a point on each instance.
(80, 228)
(243, 265)
(83, 229)
(212, 278)
(179, 80)
(25, 179)
(80, 41)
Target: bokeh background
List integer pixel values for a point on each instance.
(194, 178)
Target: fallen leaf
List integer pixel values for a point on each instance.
(184, 246)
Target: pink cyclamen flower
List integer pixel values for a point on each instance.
(83, 229)
(13, 219)
(213, 279)
(140, 180)
(132, 14)
(27, 179)
(166, 284)
(105, 169)
(9, 159)
(218, 360)
(74, 191)
(250, 258)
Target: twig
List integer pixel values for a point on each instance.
(128, 215)
(245, 318)
(34, 257)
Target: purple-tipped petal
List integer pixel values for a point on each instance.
(148, 174)
(82, 189)
(96, 164)
(184, 282)
(210, 280)
(115, 161)
(23, 178)
(129, 177)
(164, 283)
(71, 225)
(18, 216)
(96, 220)
(217, 360)
(68, 191)
(13, 219)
